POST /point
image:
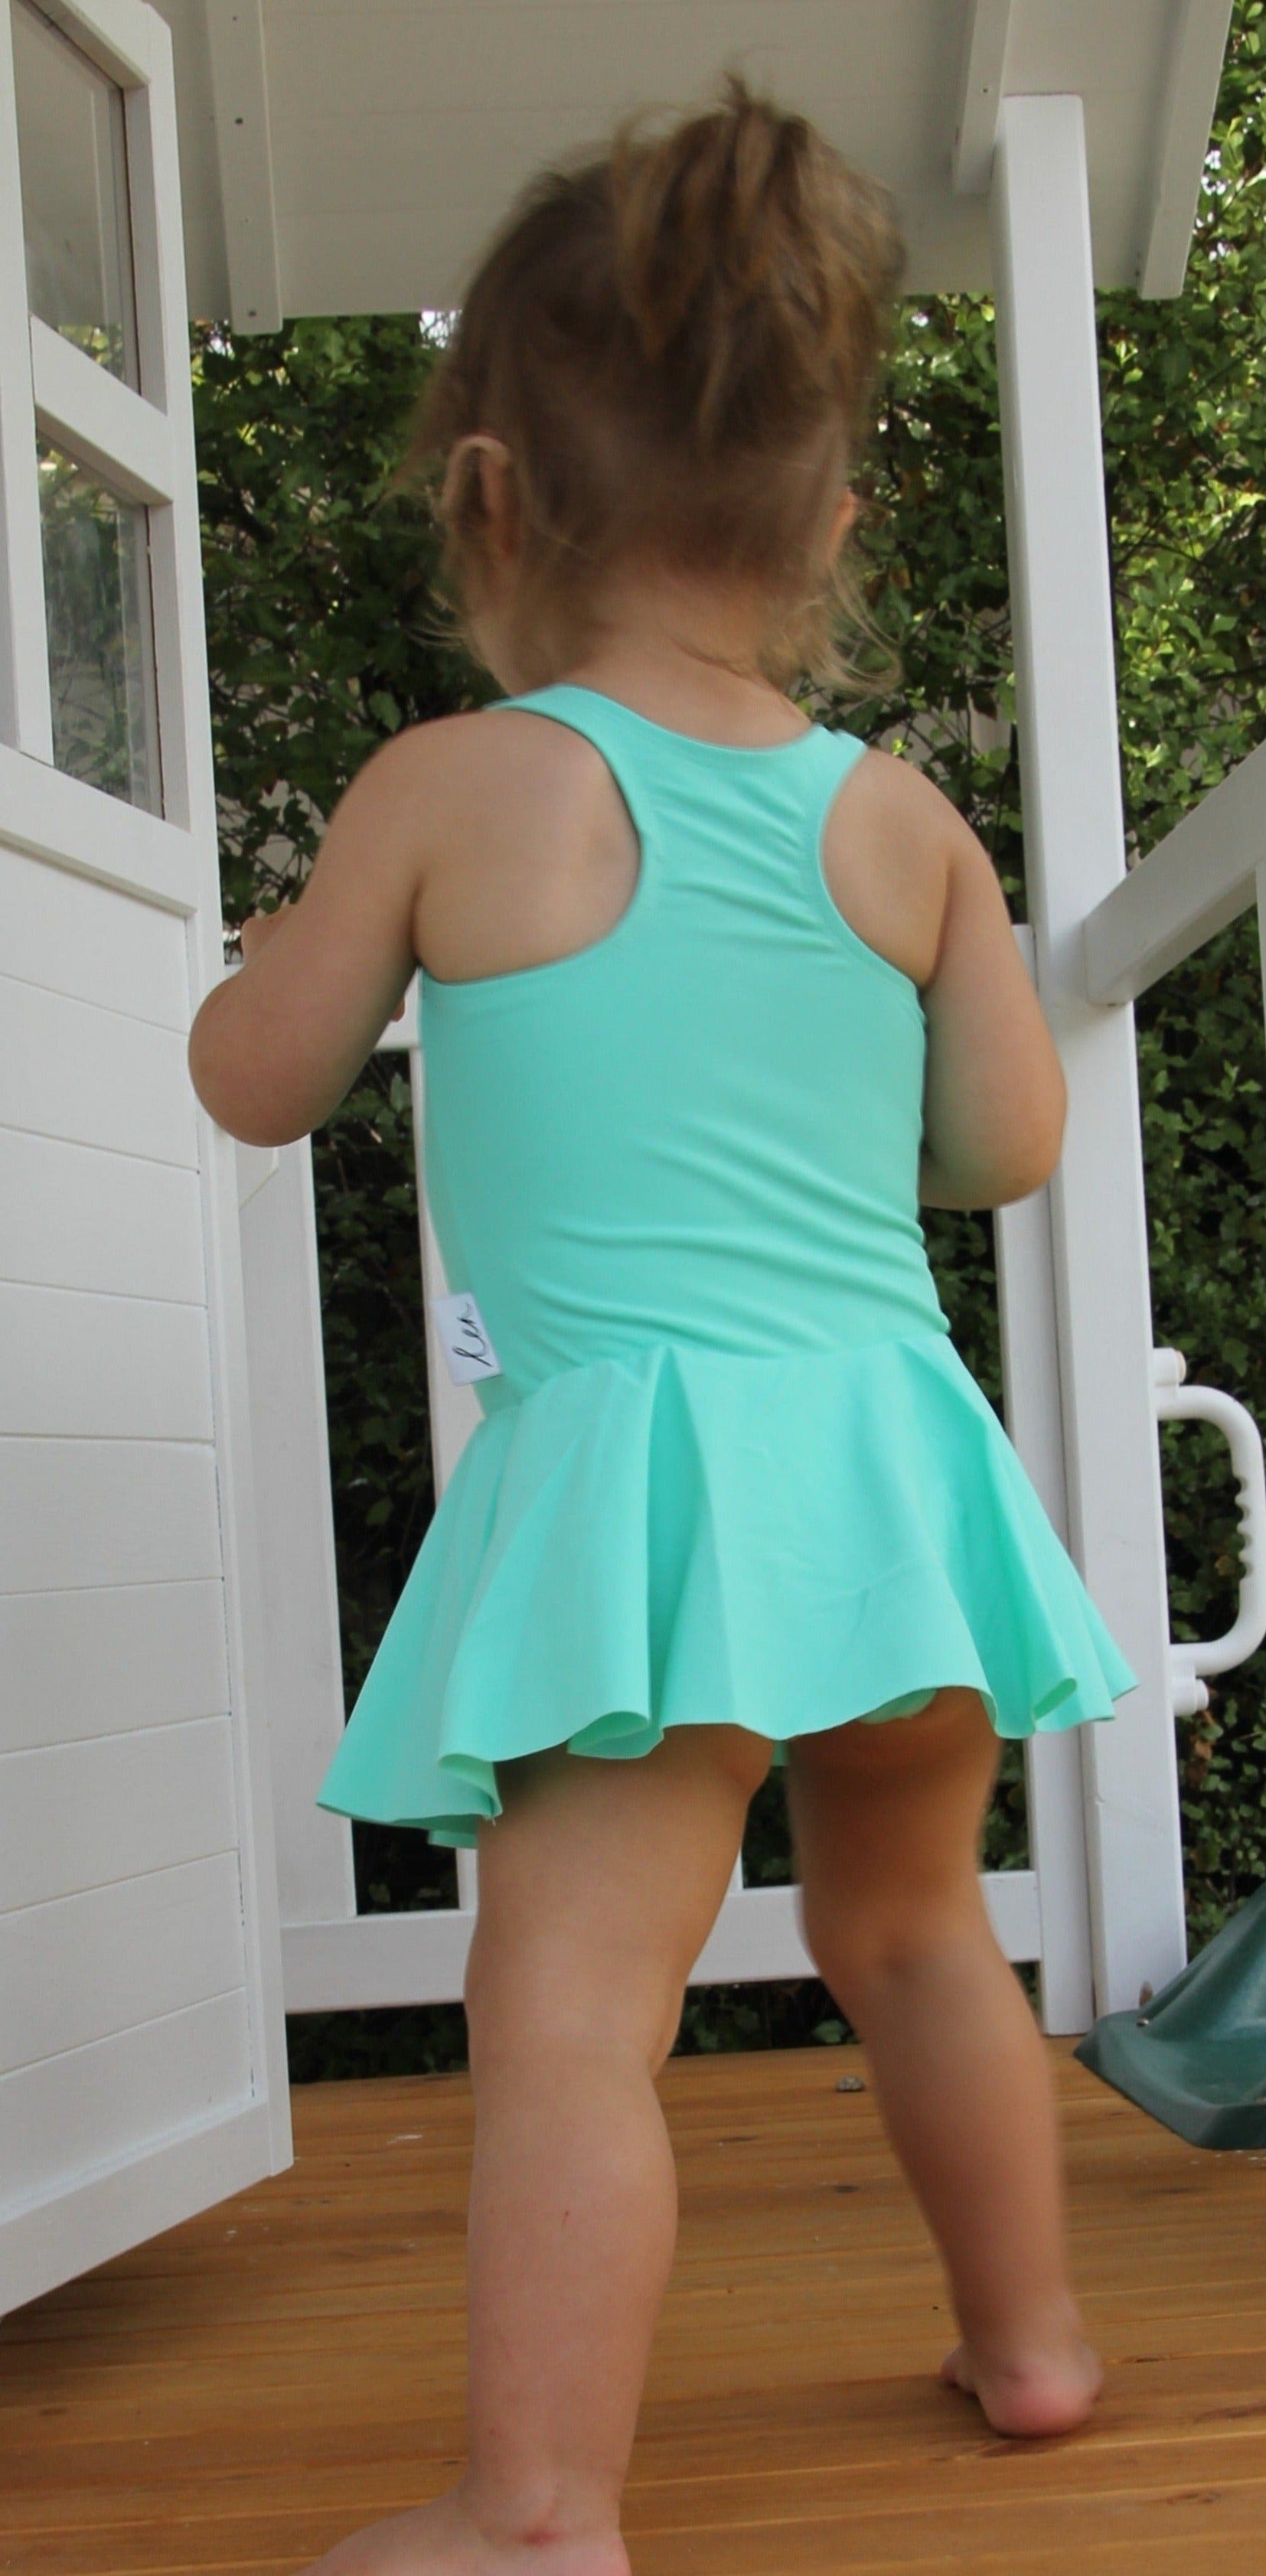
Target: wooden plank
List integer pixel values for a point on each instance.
(239, 88)
(93, 1077)
(242, 2392)
(75, 1216)
(986, 26)
(1193, 73)
(78, 1513)
(77, 2115)
(102, 1368)
(95, 945)
(1195, 881)
(85, 1966)
(78, 1815)
(79, 1664)
(120, 439)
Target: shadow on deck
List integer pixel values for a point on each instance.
(244, 2390)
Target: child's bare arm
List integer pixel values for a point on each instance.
(275, 1048)
(994, 1097)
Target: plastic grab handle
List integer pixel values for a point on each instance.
(1174, 1401)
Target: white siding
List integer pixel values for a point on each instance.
(85, 1967)
(75, 1816)
(62, 931)
(72, 1216)
(107, 1367)
(142, 2041)
(78, 1664)
(69, 1068)
(79, 2113)
(75, 1512)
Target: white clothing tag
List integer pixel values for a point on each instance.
(466, 1339)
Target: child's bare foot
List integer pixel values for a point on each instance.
(447, 2539)
(1050, 2393)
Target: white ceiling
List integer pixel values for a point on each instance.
(344, 156)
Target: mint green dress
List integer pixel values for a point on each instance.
(730, 1469)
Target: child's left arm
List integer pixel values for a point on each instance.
(275, 1047)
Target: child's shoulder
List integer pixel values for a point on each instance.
(891, 844)
(898, 793)
(466, 746)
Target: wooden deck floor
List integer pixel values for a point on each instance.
(246, 2389)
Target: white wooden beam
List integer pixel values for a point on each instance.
(1182, 138)
(982, 64)
(290, 1454)
(63, 819)
(1192, 884)
(1028, 1331)
(26, 716)
(239, 88)
(115, 34)
(1074, 855)
(73, 2230)
(106, 427)
(381, 1959)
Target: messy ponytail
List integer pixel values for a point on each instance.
(679, 344)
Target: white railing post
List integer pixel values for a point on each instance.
(1074, 844)
(291, 1458)
(1028, 1335)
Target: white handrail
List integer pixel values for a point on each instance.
(1174, 1401)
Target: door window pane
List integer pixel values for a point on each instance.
(100, 633)
(73, 151)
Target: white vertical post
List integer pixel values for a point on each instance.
(26, 718)
(1050, 1763)
(290, 1454)
(1074, 846)
(1028, 1332)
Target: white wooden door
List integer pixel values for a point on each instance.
(142, 2040)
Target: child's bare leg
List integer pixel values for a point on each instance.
(598, 1886)
(887, 1821)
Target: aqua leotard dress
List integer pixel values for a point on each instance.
(732, 1469)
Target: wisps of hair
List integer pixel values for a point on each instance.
(679, 343)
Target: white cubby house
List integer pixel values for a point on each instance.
(169, 1669)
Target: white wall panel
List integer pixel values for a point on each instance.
(68, 1068)
(87, 1966)
(142, 2041)
(80, 1512)
(79, 2114)
(78, 1664)
(102, 1367)
(74, 937)
(72, 1216)
(83, 1815)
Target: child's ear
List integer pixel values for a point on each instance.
(482, 464)
(846, 512)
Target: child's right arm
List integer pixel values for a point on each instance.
(994, 1095)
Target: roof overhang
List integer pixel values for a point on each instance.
(350, 156)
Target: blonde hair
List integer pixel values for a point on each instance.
(679, 344)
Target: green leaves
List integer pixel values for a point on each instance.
(324, 632)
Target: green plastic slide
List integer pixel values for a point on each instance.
(1195, 2056)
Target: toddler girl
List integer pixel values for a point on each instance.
(712, 998)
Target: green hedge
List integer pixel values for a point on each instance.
(324, 639)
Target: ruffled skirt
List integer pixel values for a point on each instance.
(687, 1536)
